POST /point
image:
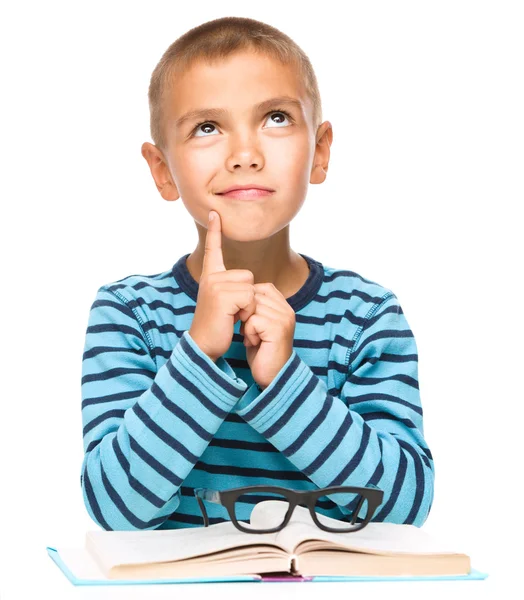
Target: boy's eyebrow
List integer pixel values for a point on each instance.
(215, 113)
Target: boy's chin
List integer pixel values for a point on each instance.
(240, 231)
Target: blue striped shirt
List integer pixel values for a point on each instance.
(160, 418)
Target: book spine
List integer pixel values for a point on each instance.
(293, 565)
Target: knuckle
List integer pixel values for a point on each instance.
(206, 279)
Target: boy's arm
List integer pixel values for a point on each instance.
(143, 429)
(377, 440)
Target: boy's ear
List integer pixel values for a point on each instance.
(160, 171)
(322, 153)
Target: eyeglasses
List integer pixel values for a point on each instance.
(240, 501)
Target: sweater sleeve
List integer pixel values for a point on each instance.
(371, 433)
(144, 428)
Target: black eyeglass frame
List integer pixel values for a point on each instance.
(227, 498)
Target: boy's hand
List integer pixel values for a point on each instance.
(223, 297)
(268, 334)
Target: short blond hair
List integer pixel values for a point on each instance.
(215, 40)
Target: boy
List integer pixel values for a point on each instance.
(325, 390)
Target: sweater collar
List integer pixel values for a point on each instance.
(297, 301)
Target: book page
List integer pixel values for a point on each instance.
(82, 566)
(111, 548)
(375, 538)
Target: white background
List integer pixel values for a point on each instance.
(423, 193)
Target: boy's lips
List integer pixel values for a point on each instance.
(247, 194)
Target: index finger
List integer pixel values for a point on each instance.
(213, 258)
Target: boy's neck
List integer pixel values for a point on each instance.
(288, 274)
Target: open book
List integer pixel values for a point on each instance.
(301, 548)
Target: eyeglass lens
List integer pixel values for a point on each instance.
(327, 509)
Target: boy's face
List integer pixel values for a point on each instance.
(245, 145)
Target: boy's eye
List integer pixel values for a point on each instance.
(211, 124)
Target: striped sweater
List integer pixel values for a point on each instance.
(160, 418)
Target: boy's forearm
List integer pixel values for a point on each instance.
(138, 455)
(370, 433)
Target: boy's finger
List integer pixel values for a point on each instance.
(213, 258)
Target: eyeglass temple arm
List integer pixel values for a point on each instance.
(357, 510)
(210, 496)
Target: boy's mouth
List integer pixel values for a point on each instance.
(247, 194)
(246, 186)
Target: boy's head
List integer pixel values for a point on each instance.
(236, 65)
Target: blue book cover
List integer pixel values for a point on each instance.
(90, 574)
